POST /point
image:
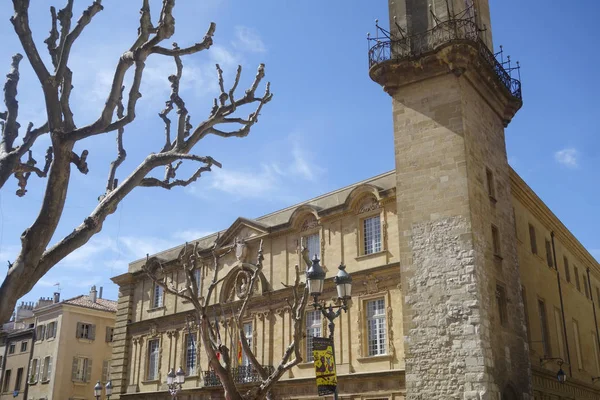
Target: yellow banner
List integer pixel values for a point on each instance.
(324, 365)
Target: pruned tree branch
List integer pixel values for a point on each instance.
(38, 255)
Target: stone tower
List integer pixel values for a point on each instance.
(464, 325)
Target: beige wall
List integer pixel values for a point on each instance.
(19, 359)
(375, 276)
(66, 346)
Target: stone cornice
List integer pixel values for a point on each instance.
(522, 192)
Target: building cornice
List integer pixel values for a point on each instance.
(522, 192)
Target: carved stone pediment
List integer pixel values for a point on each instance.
(240, 232)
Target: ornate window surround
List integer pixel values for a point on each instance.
(361, 321)
(363, 210)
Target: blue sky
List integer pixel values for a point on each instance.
(328, 125)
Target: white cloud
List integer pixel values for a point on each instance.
(244, 183)
(137, 247)
(567, 157)
(248, 39)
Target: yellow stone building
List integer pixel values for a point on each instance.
(465, 285)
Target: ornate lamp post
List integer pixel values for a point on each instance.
(561, 376)
(315, 277)
(108, 389)
(97, 390)
(175, 381)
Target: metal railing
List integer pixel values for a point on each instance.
(242, 374)
(463, 30)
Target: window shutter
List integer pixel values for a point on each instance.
(107, 334)
(105, 371)
(49, 368)
(29, 373)
(55, 329)
(78, 332)
(92, 332)
(43, 332)
(88, 372)
(74, 369)
(37, 372)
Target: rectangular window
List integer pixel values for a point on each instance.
(532, 239)
(40, 332)
(313, 329)
(596, 352)
(313, 244)
(51, 330)
(82, 369)
(567, 269)
(153, 352)
(549, 254)
(109, 335)
(11, 348)
(190, 354)
(496, 241)
(372, 235)
(157, 299)
(19, 379)
(577, 281)
(585, 287)
(577, 345)
(544, 327)
(106, 370)
(490, 183)
(47, 369)
(23, 347)
(86, 331)
(376, 330)
(501, 301)
(6, 384)
(198, 279)
(33, 370)
(560, 334)
(248, 334)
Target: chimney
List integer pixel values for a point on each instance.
(100, 293)
(93, 294)
(56, 297)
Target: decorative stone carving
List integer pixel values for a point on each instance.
(265, 315)
(359, 324)
(390, 321)
(241, 249)
(153, 330)
(369, 204)
(171, 333)
(371, 283)
(310, 222)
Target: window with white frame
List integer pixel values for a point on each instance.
(47, 369)
(153, 354)
(86, 331)
(248, 334)
(51, 330)
(372, 235)
(313, 244)
(313, 329)
(376, 329)
(157, 296)
(190, 354)
(198, 278)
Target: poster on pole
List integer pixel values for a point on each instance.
(324, 365)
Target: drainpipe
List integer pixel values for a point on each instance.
(593, 306)
(562, 306)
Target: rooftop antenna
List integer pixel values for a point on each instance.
(58, 288)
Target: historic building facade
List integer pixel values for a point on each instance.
(466, 286)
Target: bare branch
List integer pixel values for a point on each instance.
(65, 47)
(20, 21)
(53, 37)
(204, 45)
(65, 96)
(10, 129)
(80, 161)
(121, 153)
(24, 170)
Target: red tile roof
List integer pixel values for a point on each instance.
(86, 301)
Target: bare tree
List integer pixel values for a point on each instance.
(209, 333)
(37, 256)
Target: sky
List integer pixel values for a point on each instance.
(327, 126)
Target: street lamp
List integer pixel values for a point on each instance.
(175, 381)
(315, 278)
(108, 389)
(561, 376)
(97, 390)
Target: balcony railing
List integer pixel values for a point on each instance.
(459, 30)
(242, 374)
